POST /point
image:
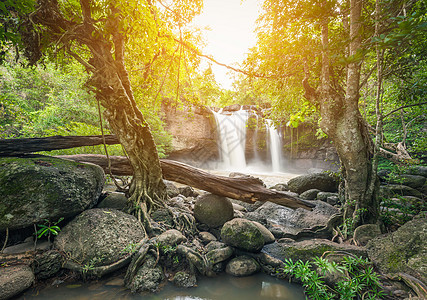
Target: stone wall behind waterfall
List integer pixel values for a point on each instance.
(195, 141)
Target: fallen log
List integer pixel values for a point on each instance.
(247, 189)
(10, 147)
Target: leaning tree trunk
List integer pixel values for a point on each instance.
(111, 85)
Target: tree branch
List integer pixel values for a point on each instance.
(404, 106)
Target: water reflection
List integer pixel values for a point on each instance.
(224, 287)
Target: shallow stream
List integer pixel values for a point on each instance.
(223, 287)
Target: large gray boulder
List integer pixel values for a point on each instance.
(242, 266)
(413, 181)
(37, 187)
(98, 237)
(213, 210)
(320, 181)
(418, 170)
(242, 234)
(404, 250)
(14, 280)
(307, 250)
(391, 190)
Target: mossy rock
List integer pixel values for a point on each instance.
(242, 234)
(307, 250)
(34, 188)
(213, 210)
(99, 237)
(404, 250)
(320, 181)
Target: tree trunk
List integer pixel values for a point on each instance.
(343, 123)
(111, 85)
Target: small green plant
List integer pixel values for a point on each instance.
(176, 259)
(48, 229)
(359, 279)
(129, 249)
(91, 264)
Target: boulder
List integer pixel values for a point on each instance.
(242, 266)
(207, 237)
(390, 190)
(323, 196)
(116, 200)
(98, 237)
(268, 236)
(232, 107)
(171, 189)
(213, 210)
(321, 181)
(418, 170)
(413, 181)
(404, 250)
(282, 221)
(242, 234)
(307, 250)
(280, 187)
(38, 187)
(171, 237)
(184, 279)
(14, 280)
(188, 191)
(364, 233)
(148, 277)
(309, 194)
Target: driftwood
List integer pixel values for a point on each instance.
(247, 189)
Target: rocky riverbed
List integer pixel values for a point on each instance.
(196, 234)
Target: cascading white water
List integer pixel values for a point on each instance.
(275, 146)
(232, 134)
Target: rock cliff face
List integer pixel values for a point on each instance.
(194, 134)
(195, 140)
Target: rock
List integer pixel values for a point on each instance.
(291, 221)
(207, 237)
(47, 264)
(307, 250)
(390, 190)
(38, 187)
(148, 277)
(321, 181)
(171, 238)
(268, 236)
(333, 200)
(309, 194)
(242, 234)
(364, 233)
(215, 245)
(184, 279)
(97, 237)
(404, 250)
(162, 215)
(232, 107)
(114, 200)
(14, 280)
(242, 175)
(323, 196)
(413, 181)
(171, 189)
(418, 170)
(238, 207)
(28, 246)
(242, 266)
(213, 210)
(218, 255)
(188, 191)
(280, 187)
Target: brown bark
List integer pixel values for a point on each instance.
(10, 147)
(112, 88)
(246, 189)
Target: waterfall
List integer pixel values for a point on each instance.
(275, 146)
(232, 139)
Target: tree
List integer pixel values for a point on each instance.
(320, 47)
(96, 34)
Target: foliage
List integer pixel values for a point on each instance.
(358, 279)
(48, 229)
